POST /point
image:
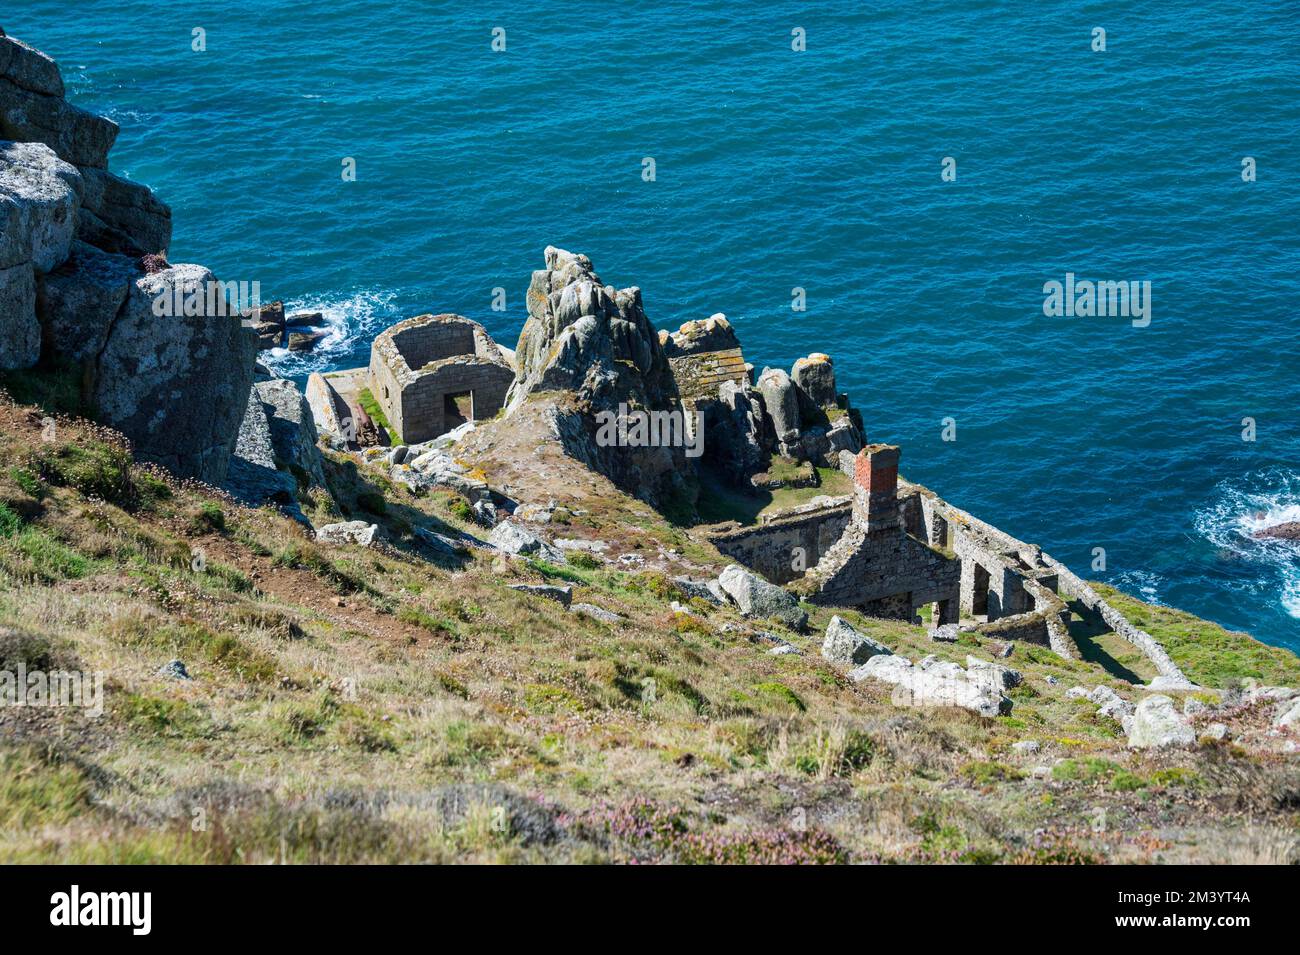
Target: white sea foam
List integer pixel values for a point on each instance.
(1144, 583)
(1248, 504)
(351, 321)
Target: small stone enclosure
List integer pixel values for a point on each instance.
(432, 373)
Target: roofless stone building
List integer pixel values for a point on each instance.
(432, 373)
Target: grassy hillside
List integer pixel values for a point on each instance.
(398, 705)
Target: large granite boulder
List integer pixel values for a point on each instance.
(124, 216)
(177, 387)
(47, 192)
(253, 477)
(757, 597)
(518, 540)
(734, 428)
(81, 298)
(846, 646)
(782, 404)
(814, 376)
(293, 429)
(589, 352)
(39, 198)
(1157, 724)
(937, 685)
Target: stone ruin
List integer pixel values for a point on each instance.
(892, 547)
(433, 373)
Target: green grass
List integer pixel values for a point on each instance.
(371, 407)
(1209, 654)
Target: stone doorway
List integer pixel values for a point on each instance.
(457, 409)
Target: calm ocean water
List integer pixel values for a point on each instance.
(775, 169)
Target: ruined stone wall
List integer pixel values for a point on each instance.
(423, 401)
(783, 549)
(426, 342)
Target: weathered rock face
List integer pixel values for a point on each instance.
(293, 429)
(1157, 724)
(39, 198)
(589, 349)
(782, 404)
(938, 685)
(177, 388)
(81, 299)
(124, 216)
(845, 645)
(356, 533)
(589, 338)
(32, 109)
(814, 377)
(757, 597)
(47, 192)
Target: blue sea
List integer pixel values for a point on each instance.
(778, 169)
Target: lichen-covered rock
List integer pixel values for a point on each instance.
(128, 217)
(782, 405)
(29, 68)
(757, 597)
(589, 351)
(513, 538)
(995, 676)
(1157, 724)
(47, 192)
(81, 299)
(357, 533)
(293, 429)
(814, 376)
(561, 595)
(937, 685)
(846, 646)
(599, 614)
(1288, 715)
(79, 137)
(177, 387)
(20, 330)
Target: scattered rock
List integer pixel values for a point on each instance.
(304, 320)
(515, 539)
(174, 669)
(939, 685)
(561, 595)
(757, 597)
(993, 675)
(1215, 732)
(1157, 724)
(846, 646)
(349, 532)
(707, 590)
(597, 613)
(485, 512)
(305, 341)
(1026, 746)
(1288, 715)
(785, 649)
(945, 634)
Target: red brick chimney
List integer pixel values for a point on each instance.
(875, 487)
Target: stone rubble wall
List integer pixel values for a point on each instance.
(782, 549)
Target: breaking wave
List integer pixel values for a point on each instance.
(1251, 503)
(351, 323)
